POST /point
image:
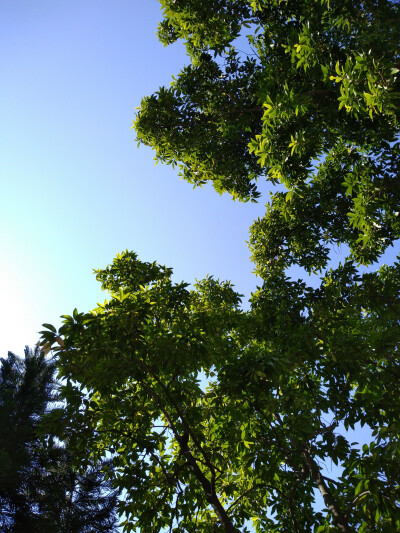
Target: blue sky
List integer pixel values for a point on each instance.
(74, 187)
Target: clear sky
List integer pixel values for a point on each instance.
(74, 187)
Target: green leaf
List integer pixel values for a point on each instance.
(50, 327)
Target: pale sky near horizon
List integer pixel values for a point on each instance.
(74, 187)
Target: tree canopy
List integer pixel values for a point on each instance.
(40, 491)
(312, 103)
(249, 439)
(214, 415)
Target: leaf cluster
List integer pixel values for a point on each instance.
(312, 104)
(281, 382)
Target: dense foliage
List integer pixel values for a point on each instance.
(281, 383)
(312, 105)
(213, 415)
(40, 491)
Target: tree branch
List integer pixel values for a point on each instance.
(207, 485)
(329, 500)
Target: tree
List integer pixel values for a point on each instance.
(39, 488)
(284, 380)
(313, 108)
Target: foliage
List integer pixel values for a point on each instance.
(313, 105)
(225, 415)
(249, 439)
(39, 489)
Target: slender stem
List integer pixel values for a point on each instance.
(359, 497)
